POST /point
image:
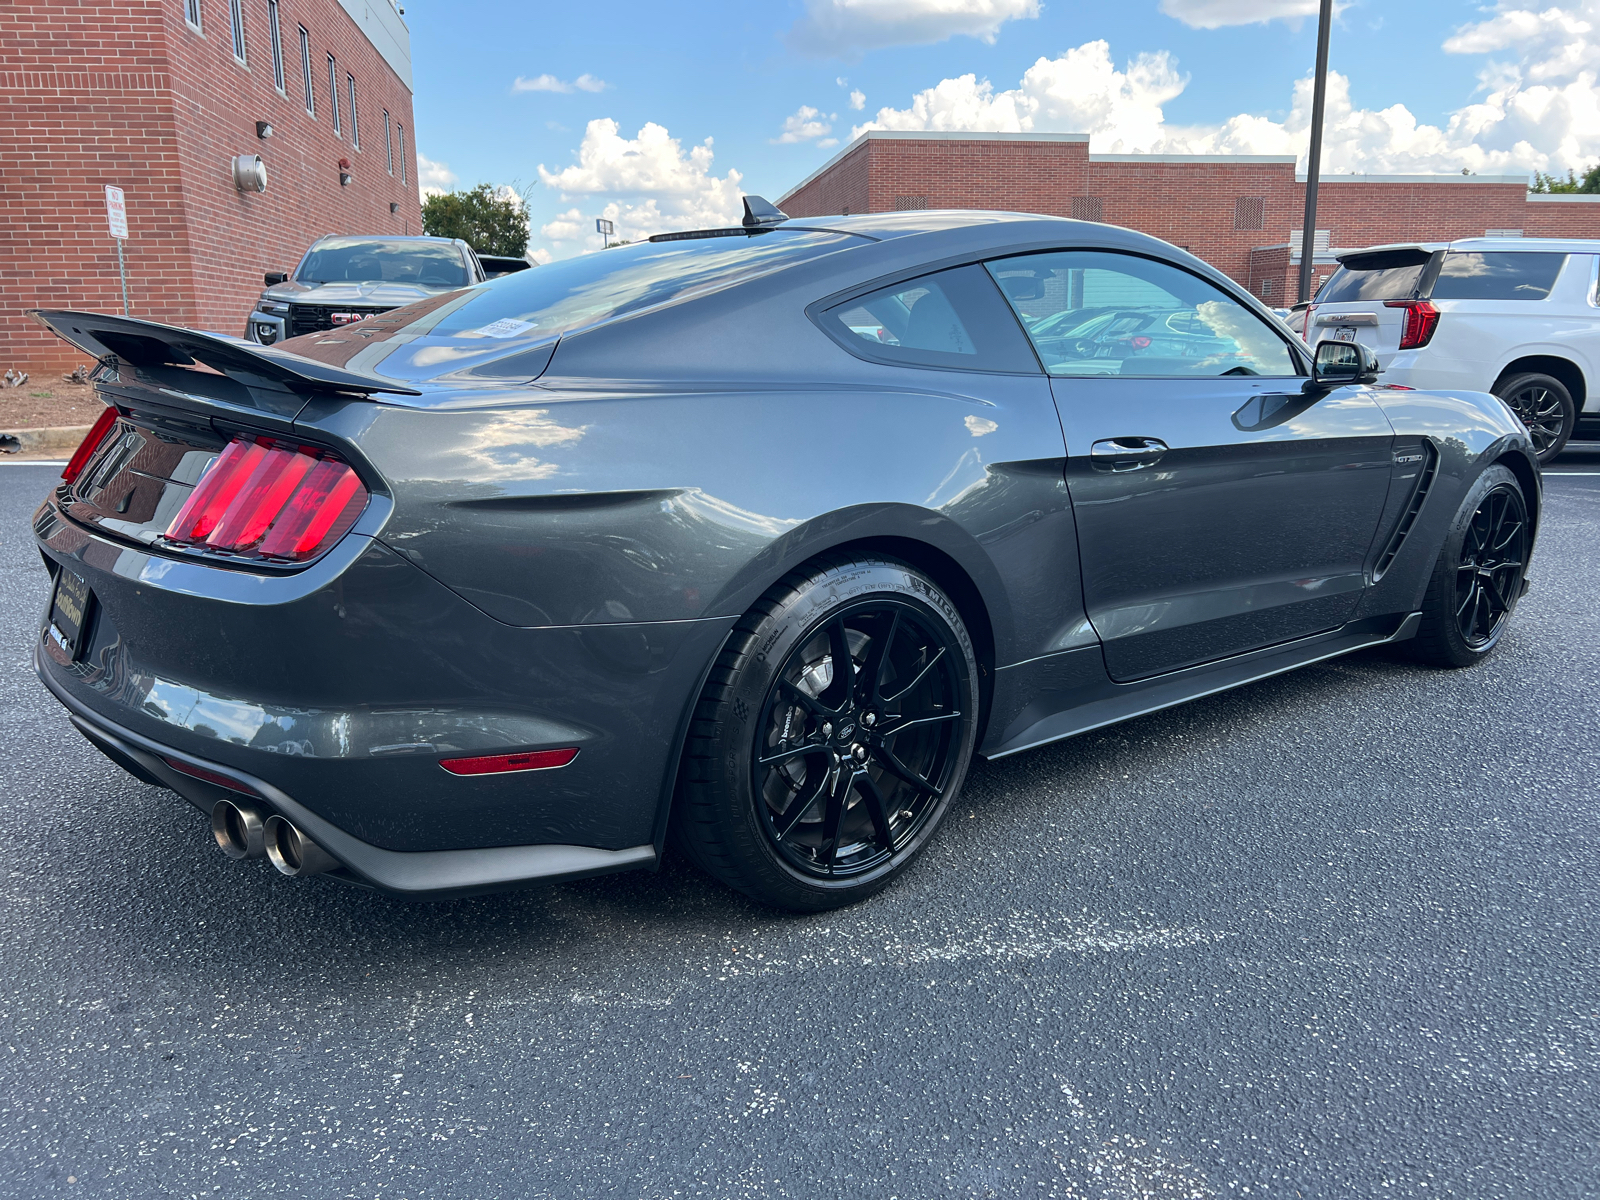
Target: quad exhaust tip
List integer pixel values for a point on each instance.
(292, 852)
(240, 830)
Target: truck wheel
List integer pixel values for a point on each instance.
(1544, 405)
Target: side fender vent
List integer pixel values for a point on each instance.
(1419, 494)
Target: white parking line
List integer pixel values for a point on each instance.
(1548, 474)
(33, 462)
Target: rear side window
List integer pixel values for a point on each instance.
(1094, 312)
(1513, 275)
(954, 319)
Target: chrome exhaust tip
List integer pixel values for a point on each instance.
(239, 829)
(293, 853)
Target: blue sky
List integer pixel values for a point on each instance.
(1494, 89)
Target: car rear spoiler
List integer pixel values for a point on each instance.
(149, 344)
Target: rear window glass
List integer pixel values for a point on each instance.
(1390, 283)
(1513, 275)
(591, 288)
(373, 260)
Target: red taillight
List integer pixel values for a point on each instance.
(495, 764)
(91, 443)
(265, 499)
(1422, 318)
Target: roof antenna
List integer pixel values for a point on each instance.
(760, 213)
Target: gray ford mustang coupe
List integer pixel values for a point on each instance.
(748, 537)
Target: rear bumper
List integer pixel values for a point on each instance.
(335, 691)
(431, 873)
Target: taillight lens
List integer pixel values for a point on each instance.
(1422, 318)
(268, 499)
(86, 448)
(497, 764)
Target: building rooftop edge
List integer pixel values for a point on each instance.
(1193, 158)
(1324, 180)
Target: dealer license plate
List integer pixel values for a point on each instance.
(1344, 333)
(70, 606)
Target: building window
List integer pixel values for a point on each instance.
(388, 141)
(355, 121)
(1250, 212)
(236, 20)
(333, 92)
(400, 137)
(191, 12)
(276, 34)
(305, 70)
(910, 203)
(1088, 208)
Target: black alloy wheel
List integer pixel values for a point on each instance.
(1546, 407)
(1479, 575)
(1494, 555)
(832, 736)
(858, 738)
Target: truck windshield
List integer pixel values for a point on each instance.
(384, 260)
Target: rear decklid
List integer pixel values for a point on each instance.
(1375, 297)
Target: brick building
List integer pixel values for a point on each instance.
(158, 97)
(1241, 213)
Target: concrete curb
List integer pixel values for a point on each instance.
(58, 441)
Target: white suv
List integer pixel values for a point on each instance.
(1519, 317)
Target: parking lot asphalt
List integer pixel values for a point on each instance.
(1329, 935)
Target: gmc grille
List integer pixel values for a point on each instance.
(314, 318)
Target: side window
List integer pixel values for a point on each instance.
(1094, 312)
(1523, 275)
(953, 318)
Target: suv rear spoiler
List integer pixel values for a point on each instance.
(151, 344)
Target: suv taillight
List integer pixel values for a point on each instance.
(1422, 318)
(86, 448)
(268, 499)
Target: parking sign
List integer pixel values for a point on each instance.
(116, 212)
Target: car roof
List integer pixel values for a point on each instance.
(383, 237)
(886, 225)
(1485, 244)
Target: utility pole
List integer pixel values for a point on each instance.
(1319, 98)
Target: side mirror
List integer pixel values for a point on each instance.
(274, 278)
(1339, 363)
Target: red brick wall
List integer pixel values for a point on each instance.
(1191, 204)
(125, 92)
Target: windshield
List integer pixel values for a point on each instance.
(384, 260)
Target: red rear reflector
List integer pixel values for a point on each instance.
(206, 776)
(263, 499)
(495, 764)
(1422, 318)
(86, 448)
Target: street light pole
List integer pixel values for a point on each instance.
(1319, 97)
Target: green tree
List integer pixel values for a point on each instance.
(489, 222)
(1587, 184)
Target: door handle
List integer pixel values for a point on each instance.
(1126, 453)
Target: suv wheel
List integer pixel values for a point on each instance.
(1544, 405)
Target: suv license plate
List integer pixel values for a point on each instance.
(70, 605)
(1345, 333)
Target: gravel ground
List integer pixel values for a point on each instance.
(1331, 935)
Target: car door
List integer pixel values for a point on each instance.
(1219, 509)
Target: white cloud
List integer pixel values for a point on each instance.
(1079, 92)
(806, 125)
(433, 178)
(1537, 110)
(549, 83)
(646, 184)
(845, 28)
(858, 100)
(1213, 14)
(540, 256)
